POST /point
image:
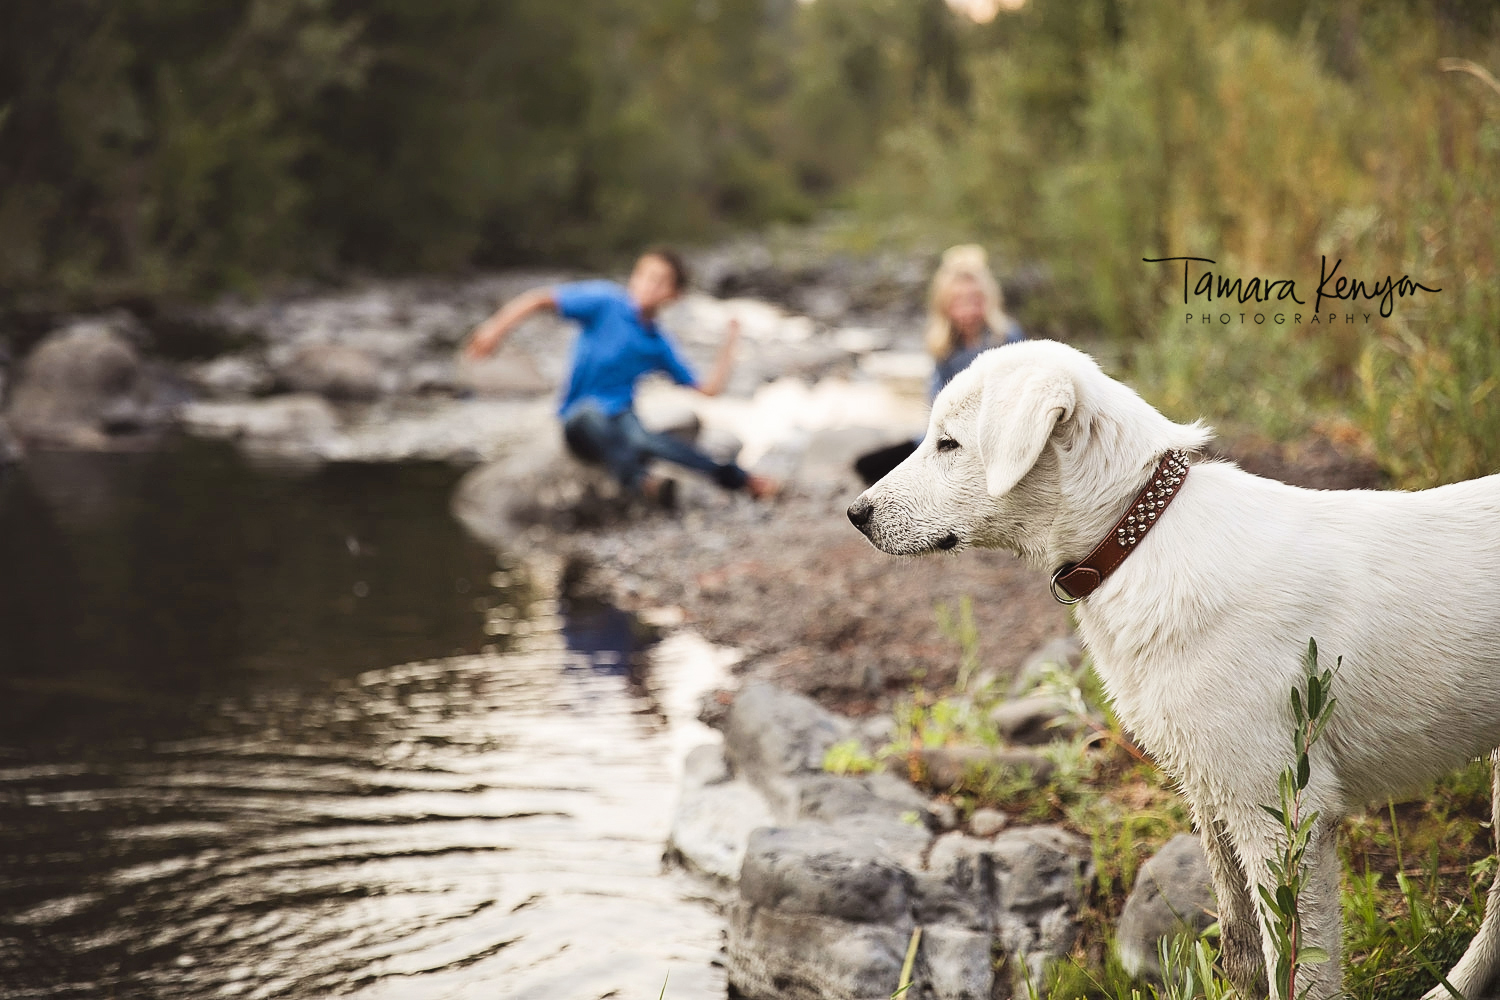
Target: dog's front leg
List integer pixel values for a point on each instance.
(1320, 910)
(1319, 915)
(1239, 930)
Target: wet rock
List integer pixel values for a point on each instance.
(462, 431)
(832, 797)
(771, 955)
(536, 490)
(957, 964)
(308, 427)
(1173, 895)
(718, 811)
(987, 822)
(773, 735)
(1037, 719)
(715, 817)
(819, 869)
(1042, 874)
(336, 371)
(949, 767)
(827, 898)
(1015, 897)
(79, 386)
(957, 884)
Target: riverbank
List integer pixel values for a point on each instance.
(370, 376)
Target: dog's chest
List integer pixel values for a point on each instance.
(1165, 707)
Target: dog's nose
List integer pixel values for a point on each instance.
(860, 512)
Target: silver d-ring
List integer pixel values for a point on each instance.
(1070, 599)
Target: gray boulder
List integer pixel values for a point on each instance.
(715, 817)
(1015, 897)
(1042, 873)
(828, 870)
(772, 735)
(957, 884)
(79, 387)
(336, 371)
(802, 956)
(507, 374)
(1173, 895)
(956, 964)
(294, 423)
(831, 797)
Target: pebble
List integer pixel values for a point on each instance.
(987, 822)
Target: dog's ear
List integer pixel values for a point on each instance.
(1018, 411)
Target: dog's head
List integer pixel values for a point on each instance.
(1028, 447)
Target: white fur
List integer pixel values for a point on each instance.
(1199, 635)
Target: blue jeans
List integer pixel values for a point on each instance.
(625, 448)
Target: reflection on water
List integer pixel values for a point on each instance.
(252, 744)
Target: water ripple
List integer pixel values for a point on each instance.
(494, 830)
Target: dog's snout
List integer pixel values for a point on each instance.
(860, 512)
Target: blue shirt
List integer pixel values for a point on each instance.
(962, 357)
(614, 347)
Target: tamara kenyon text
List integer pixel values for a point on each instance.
(1213, 286)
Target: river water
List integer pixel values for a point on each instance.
(290, 733)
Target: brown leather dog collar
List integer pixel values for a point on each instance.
(1074, 582)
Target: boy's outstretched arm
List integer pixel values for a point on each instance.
(718, 379)
(488, 335)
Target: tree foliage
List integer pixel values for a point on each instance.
(162, 146)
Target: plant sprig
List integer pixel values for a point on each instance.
(1312, 711)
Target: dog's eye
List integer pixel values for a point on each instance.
(946, 444)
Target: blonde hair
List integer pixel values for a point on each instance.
(966, 261)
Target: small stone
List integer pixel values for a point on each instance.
(1035, 719)
(987, 822)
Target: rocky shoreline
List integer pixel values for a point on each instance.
(833, 875)
(827, 877)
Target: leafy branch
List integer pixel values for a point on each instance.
(1312, 707)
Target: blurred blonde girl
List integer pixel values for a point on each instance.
(965, 313)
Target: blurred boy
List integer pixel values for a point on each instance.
(619, 342)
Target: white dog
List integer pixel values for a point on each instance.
(1199, 633)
